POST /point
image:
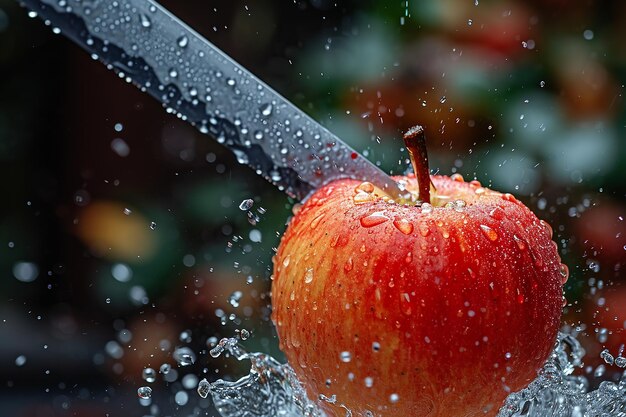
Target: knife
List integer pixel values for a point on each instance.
(147, 45)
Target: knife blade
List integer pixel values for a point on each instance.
(147, 45)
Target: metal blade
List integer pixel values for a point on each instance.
(150, 47)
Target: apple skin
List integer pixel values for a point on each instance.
(442, 313)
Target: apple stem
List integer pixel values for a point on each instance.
(415, 142)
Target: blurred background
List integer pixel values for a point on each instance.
(121, 237)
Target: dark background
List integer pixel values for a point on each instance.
(525, 96)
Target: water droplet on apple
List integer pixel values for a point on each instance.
(509, 197)
(394, 398)
(489, 232)
(497, 213)
(348, 265)
(520, 298)
(363, 197)
(547, 226)
(286, 261)
(369, 382)
(362, 248)
(459, 205)
(427, 208)
(409, 258)
(405, 304)
(308, 276)
(374, 219)
(403, 225)
(564, 270)
(345, 356)
(376, 346)
(457, 177)
(520, 243)
(480, 190)
(317, 220)
(424, 230)
(475, 183)
(366, 186)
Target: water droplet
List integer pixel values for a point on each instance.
(234, 298)
(25, 271)
(317, 220)
(373, 219)
(457, 177)
(308, 276)
(153, 225)
(542, 84)
(203, 388)
(403, 225)
(607, 357)
(366, 186)
(564, 271)
(345, 356)
(246, 204)
(427, 208)
(165, 368)
(369, 382)
(144, 392)
(127, 211)
(181, 398)
(362, 197)
(20, 360)
(145, 20)
(547, 226)
(348, 265)
(286, 261)
(405, 304)
(266, 109)
(244, 334)
(520, 243)
(149, 375)
(258, 135)
(489, 232)
(183, 41)
(424, 230)
(184, 356)
(497, 213)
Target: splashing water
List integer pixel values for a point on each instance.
(272, 389)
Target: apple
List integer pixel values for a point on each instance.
(436, 303)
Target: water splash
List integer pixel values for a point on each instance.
(270, 389)
(558, 393)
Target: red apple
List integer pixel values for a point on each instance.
(404, 308)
